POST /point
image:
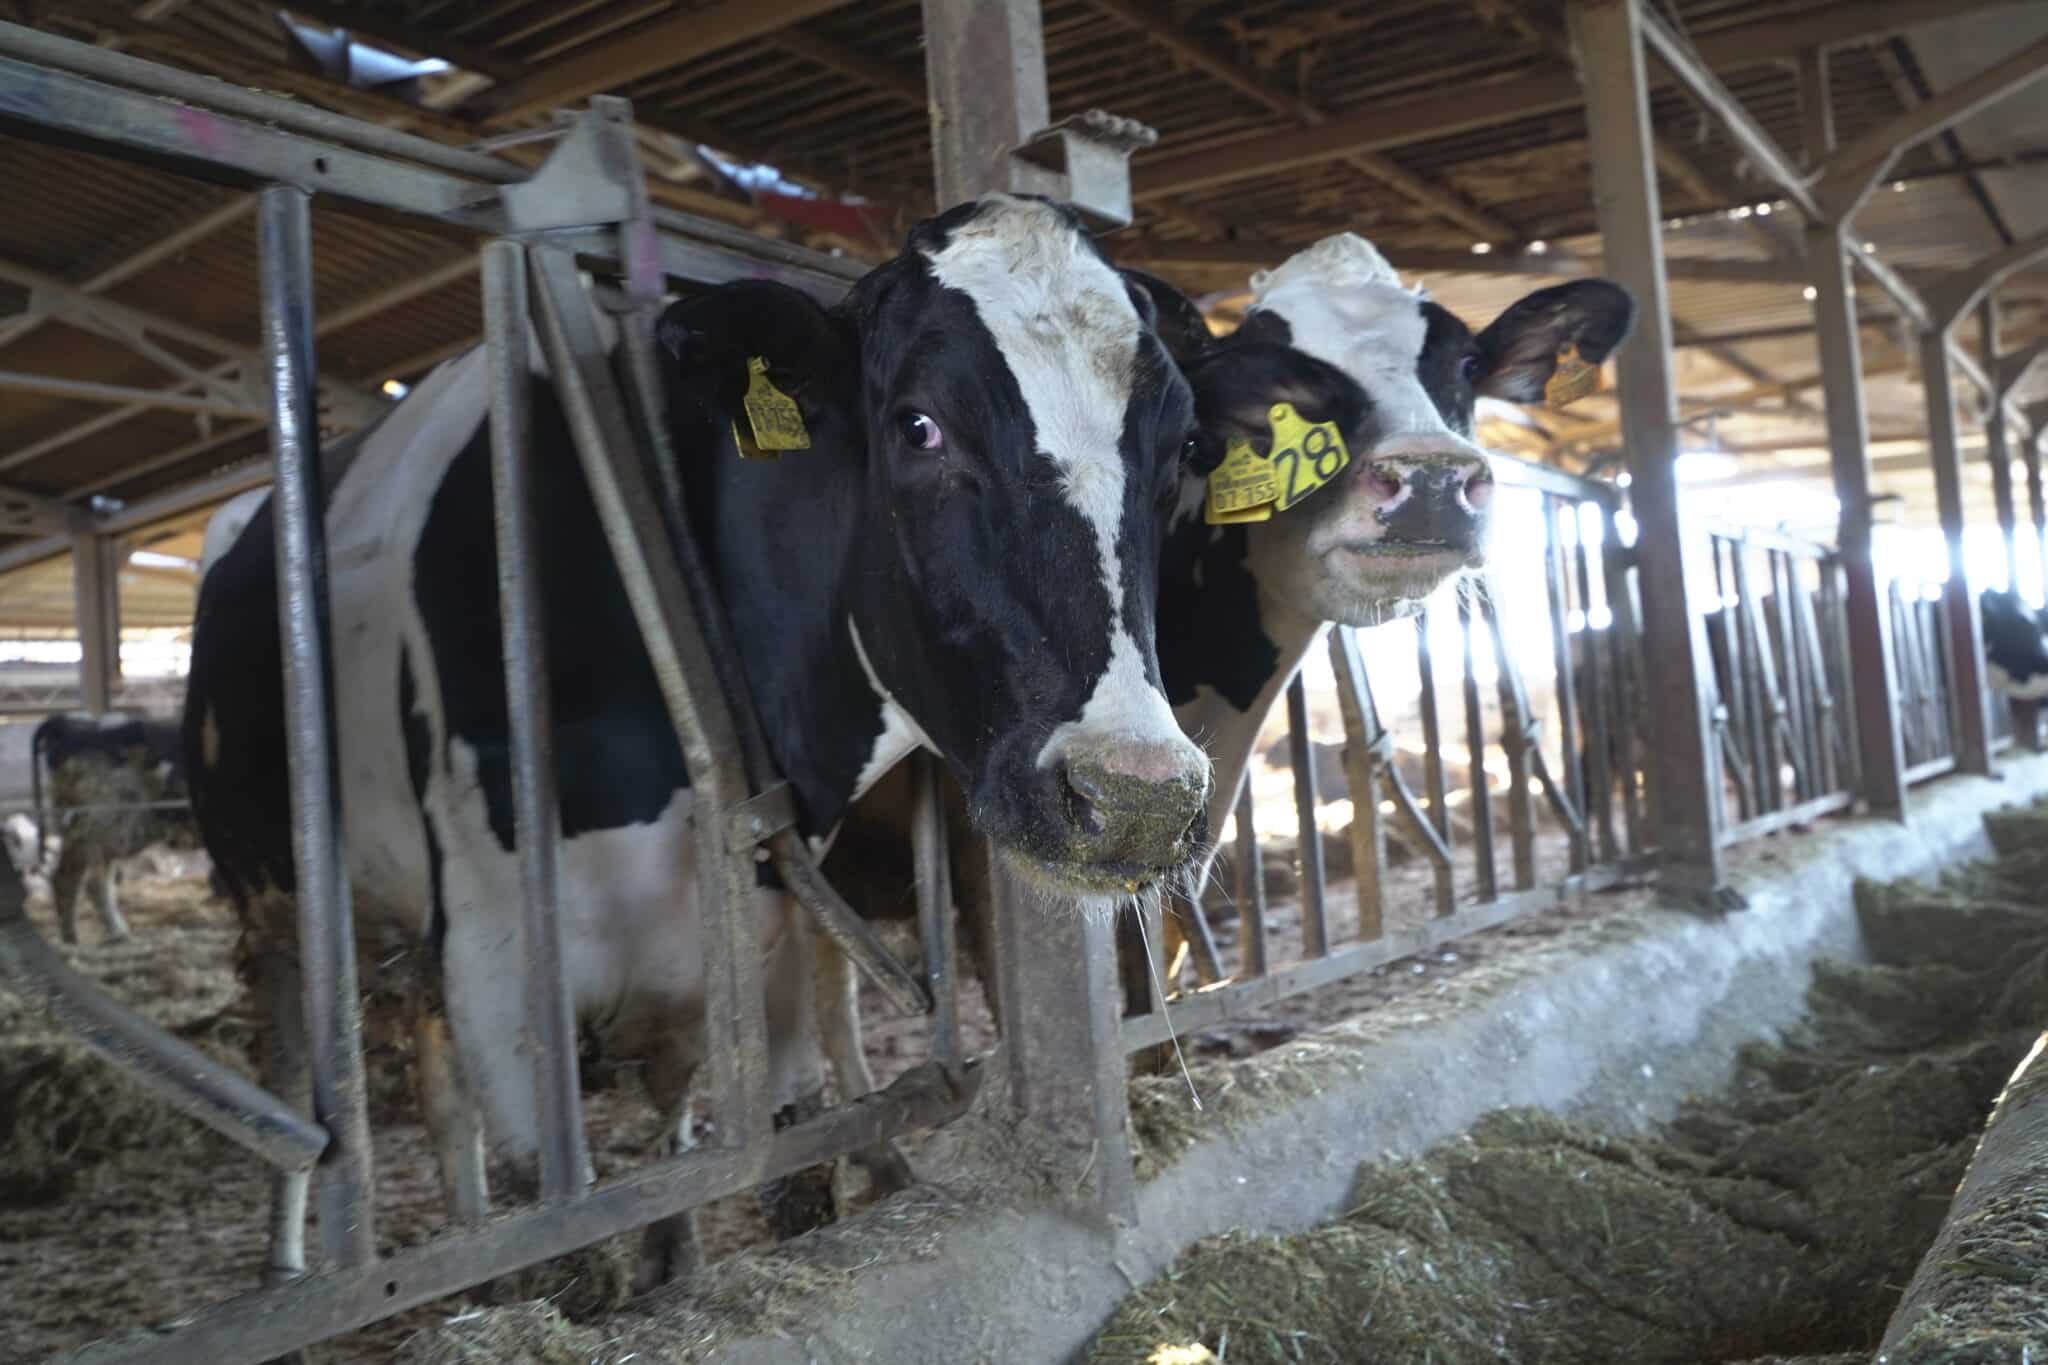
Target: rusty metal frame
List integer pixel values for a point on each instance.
(50, 87)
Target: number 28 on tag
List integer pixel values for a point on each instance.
(1248, 486)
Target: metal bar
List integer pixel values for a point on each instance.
(1512, 472)
(550, 1016)
(1244, 999)
(1806, 812)
(1605, 719)
(1251, 887)
(85, 390)
(1517, 740)
(1565, 688)
(96, 598)
(1315, 925)
(206, 92)
(1192, 922)
(1965, 629)
(1475, 750)
(1997, 449)
(1367, 747)
(1433, 760)
(326, 922)
(166, 1066)
(1798, 690)
(985, 68)
(259, 1326)
(1608, 40)
(1759, 682)
(935, 913)
(1938, 766)
(672, 628)
(1879, 745)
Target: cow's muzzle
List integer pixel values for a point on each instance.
(1431, 500)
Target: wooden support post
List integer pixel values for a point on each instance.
(1607, 40)
(1965, 629)
(1873, 668)
(1998, 448)
(96, 598)
(1057, 969)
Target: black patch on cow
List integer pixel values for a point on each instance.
(2014, 638)
(419, 762)
(1210, 634)
(1448, 366)
(616, 755)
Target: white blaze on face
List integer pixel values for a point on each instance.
(1068, 331)
(1347, 306)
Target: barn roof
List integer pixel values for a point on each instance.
(1450, 131)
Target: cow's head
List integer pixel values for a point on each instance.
(1334, 333)
(1020, 431)
(2015, 646)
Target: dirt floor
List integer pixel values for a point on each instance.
(116, 1213)
(1780, 1219)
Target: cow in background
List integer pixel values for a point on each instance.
(117, 785)
(2016, 655)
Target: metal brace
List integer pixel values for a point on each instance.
(587, 179)
(758, 819)
(1090, 153)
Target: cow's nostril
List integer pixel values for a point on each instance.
(1084, 800)
(1386, 481)
(1479, 490)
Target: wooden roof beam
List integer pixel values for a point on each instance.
(1385, 126)
(659, 44)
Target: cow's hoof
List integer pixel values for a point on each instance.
(581, 1285)
(888, 1172)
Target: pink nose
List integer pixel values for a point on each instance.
(1432, 497)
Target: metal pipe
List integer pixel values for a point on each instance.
(326, 927)
(935, 906)
(168, 1067)
(83, 59)
(550, 1016)
(1251, 887)
(1315, 924)
(87, 391)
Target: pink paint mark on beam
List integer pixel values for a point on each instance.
(202, 129)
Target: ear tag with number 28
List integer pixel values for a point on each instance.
(1249, 487)
(777, 422)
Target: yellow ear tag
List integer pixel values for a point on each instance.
(777, 421)
(1306, 455)
(1242, 488)
(1574, 378)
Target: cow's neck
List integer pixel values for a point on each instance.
(1228, 729)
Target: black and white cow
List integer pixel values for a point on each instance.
(117, 785)
(2016, 658)
(1334, 332)
(965, 558)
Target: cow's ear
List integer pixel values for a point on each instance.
(712, 338)
(1173, 315)
(1237, 384)
(1518, 352)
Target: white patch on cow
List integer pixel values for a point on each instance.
(1068, 333)
(1345, 305)
(2034, 687)
(900, 734)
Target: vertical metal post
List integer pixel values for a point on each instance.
(985, 73)
(1432, 738)
(2037, 502)
(928, 847)
(1607, 39)
(1487, 882)
(1315, 924)
(550, 1018)
(1366, 751)
(1965, 652)
(1565, 689)
(96, 601)
(326, 925)
(1250, 888)
(1998, 449)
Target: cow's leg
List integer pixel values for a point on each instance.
(669, 1248)
(273, 971)
(838, 1006)
(106, 890)
(802, 1200)
(66, 883)
(453, 1117)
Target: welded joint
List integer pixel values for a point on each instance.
(758, 819)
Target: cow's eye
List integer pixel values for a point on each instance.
(1468, 368)
(920, 432)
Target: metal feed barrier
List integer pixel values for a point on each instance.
(1783, 686)
(1589, 788)
(587, 200)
